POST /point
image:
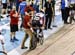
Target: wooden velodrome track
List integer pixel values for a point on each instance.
(60, 43)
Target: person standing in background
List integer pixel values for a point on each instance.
(35, 6)
(48, 13)
(72, 2)
(14, 18)
(17, 4)
(66, 10)
(72, 10)
(4, 3)
(53, 8)
(22, 6)
(63, 10)
(2, 40)
(71, 13)
(0, 10)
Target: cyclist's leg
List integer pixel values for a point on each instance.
(40, 29)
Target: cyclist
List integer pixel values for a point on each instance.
(38, 21)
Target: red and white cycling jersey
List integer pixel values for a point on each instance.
(40, 17)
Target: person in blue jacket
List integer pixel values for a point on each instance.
(21, 11)
(63, 11)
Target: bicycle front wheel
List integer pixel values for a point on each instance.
(41, 40)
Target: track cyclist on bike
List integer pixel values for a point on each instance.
(38, 23)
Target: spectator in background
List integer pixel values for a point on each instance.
(21, 11)
(72, 10)
(48, 13)
(17, 4)
(53, 8)
(72, 13)
(66, 10)
(2, 41)
(9, 7)
(0, 10)
(11, 2)
(4, 3)
(14, 17)
(63, 11)
(72, 2)
(1, 38)
(36, 6)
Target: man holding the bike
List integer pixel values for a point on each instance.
(27, 26)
